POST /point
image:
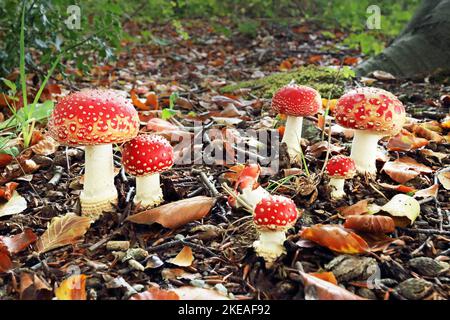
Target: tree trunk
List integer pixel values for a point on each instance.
(422, 48)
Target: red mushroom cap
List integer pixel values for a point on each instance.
(341, 167)
(147, 154)
(275, 213)
(91, 117)
(297, 101)
(371, 109)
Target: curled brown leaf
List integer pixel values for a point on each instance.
(175, 214)
(370, 223)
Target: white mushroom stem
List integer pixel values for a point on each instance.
(337, 186)
(292, 137)
(99, 191)
(148, 191)
(270, 245)
(364, 151)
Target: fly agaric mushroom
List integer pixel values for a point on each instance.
(340, 168)
(273, 216)
(296, 102)
(373, 113)
(145, 157)
(95, 119)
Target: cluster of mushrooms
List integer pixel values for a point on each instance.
(97, 119)
(372, 113)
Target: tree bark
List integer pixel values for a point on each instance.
(422, 48)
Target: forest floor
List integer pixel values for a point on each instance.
(410, 263)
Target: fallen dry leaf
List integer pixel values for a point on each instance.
(6, 192)
(422, 131)
(404, 169)
(181, 293)
(15, 205)
(158, 125)
(5, 260)
(402, 205)
(406, 141)
(33, 287)
(428, 192)
(72, 288)
(318, 289)
(358, 208)
(370, 224)
(335, 238)
(18, 242)
(5, 159)
(176, 214)
(399, 188)
(326, 276)
(45, 147)
(443, 177)
(155, 294)
(184, 258)
(137, 102)
(320, 147)
(63, 230)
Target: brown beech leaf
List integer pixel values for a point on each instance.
(444, 179)
(326, 276)
(6, 192)
(184, 258)
(399, 188)
(155, 294)
(45, 147)
(19, 241)
(5, 260)
(318, 289)
(422, 131)
(5, 159)
(320, 147)
(406, 141)
(33, 287)
(181, 293)
(175, 214)
(63, 230)
(158, 125)
(370, 224)
(356, 209)
(335, 238)
(72, 288)
(428, 192)
(404, 169)
(137, 102)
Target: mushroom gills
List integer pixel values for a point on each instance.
(148, 191)
(292, 137)
(270, 245)
(364, 151)
(99, 192)
(337, 186)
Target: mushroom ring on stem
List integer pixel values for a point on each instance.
(295, 102)
(373, 113)
(95, 119)
(145, 157)
(339, 168)
(273, 216)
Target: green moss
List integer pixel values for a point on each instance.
(319, 78)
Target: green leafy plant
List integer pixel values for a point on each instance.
(25, 118)
(168, 113)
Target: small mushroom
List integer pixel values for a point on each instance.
(339, 168)
(95, 119)
(373, 113)
(272, 217)
(145, 157)
(296, 102)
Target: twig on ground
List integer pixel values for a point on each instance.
(206, 182)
